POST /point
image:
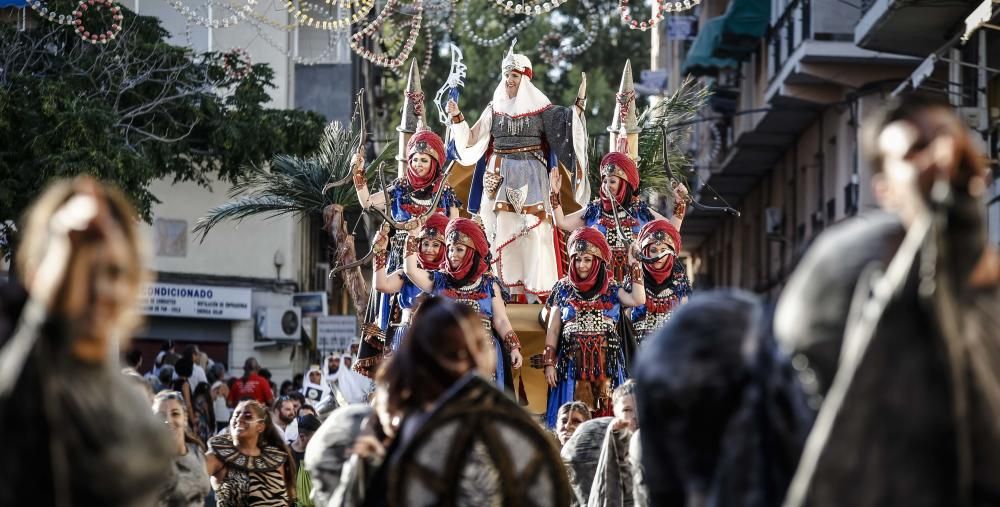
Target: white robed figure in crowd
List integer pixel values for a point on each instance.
(346, 385)
(315, 388)
(517, 140)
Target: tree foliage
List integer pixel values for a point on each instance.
(130, 112)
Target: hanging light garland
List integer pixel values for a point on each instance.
(333, 45)
(663, 7)
(554, 39)
(239, 14)
(383, 60)
(42, 10)
(89, 6)
(304, 19)
(495, 41)
(535, 8)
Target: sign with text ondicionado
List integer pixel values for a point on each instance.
(196, 301)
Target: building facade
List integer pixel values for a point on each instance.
(793, 81)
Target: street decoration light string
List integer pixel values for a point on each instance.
(663, 7)
(384, 59)
(478, 40)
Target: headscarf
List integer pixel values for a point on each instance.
(352, 386)
(327, 452)
(581, 453)
(463, 231)
(529, 100)
(620, 165)
(428, 143)
(590, 241)
(434, 229)
(659, 231)
(315, 394)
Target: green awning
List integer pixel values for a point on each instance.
(744, 24)
(700, 59)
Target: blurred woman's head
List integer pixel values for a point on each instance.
(445, 342)
(98, 293)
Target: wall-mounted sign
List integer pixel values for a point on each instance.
(335, 332)
(198, 301)
(682, 27)
(313, 304)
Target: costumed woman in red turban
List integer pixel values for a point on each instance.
(619, 205)
(583, 355)
(667, 284)
(409, 197)
(466, 278)
(430, 256)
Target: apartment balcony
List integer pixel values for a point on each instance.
(911, 27)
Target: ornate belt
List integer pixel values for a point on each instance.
(535, 209)
(523, 149)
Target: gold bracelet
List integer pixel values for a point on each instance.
(680, 207)
(412, 245)
(381, 258)
(555, 199)
(637, 277)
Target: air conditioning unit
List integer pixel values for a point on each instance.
(279, 323)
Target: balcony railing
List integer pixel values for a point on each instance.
(787, 33)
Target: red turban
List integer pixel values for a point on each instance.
(660, 231)
(462, 231)
(619, 164)
(587, 240)
(430, 144)
(434, 229)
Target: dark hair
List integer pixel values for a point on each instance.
(902, 108)
(436, 338)
(306, 406)
(264, 372)
(189, 435)
(285, 385)
(167, 345)
(189, 351)
(575, 406)
(297, 396)
(133, 357)
(166, 374)
(273, 437)
(308, 422)
(184, 367)
(279, 401)
(249, 366)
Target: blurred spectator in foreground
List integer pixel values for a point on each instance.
(892, 315)
(724, 417)
(330, 448)
(76, 433)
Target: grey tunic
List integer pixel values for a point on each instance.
(192, 485)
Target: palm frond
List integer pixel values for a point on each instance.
(679, 108)
(294, 185)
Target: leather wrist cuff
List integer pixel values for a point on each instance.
(549, 356)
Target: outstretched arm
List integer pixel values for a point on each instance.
(502, 325)
(365, 198)
(470, 143)
(388, 283)
(680, 205)
(570, 222)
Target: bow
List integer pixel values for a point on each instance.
(694, 204)
(359, 111)
(452, 84)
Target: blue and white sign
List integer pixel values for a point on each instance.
(197, 301)
(682, 27)
(335, 332)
